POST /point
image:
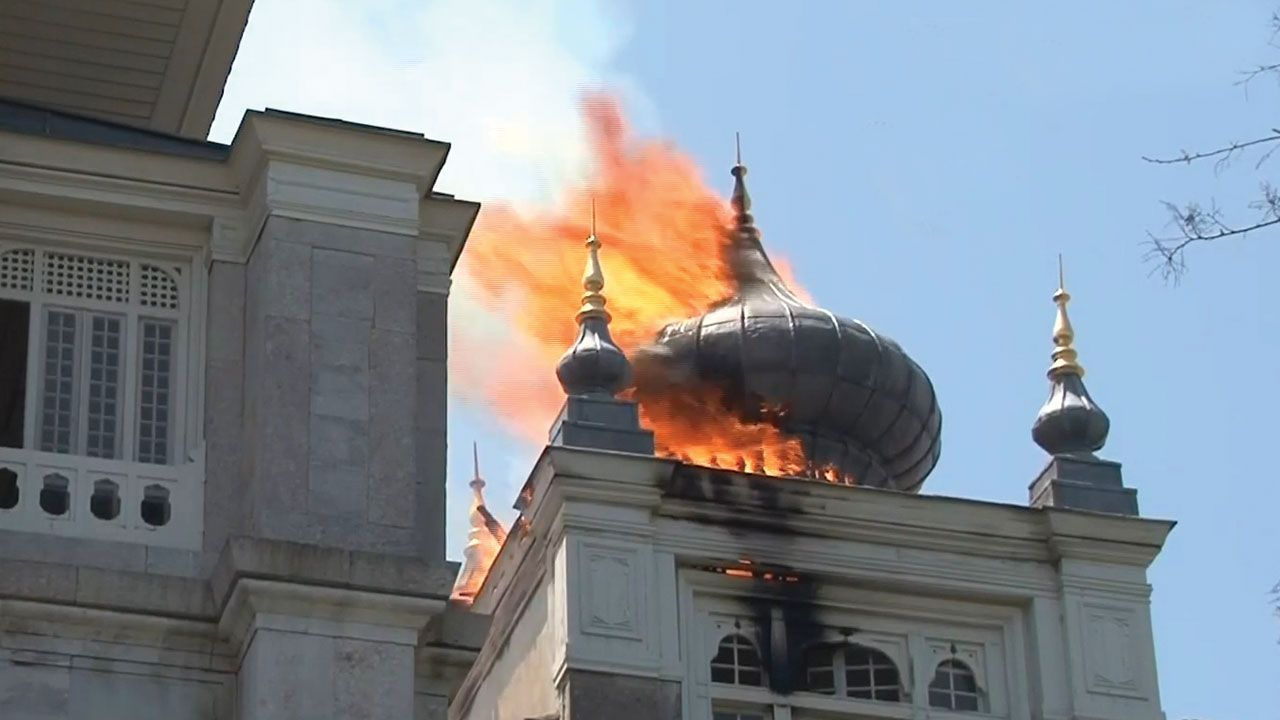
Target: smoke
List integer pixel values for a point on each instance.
(501, 80)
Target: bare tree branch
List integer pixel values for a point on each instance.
(1195, 224)
(1192, 223)
(1248, 76)
(1223, 153)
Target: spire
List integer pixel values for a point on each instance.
(593, 300)
(477, 482)
(484, 538)
(1070, 422)
(593, 365)
(740, 200)
(1064, 355)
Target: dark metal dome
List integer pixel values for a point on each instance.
(852, 395)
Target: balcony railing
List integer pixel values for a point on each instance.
(103, 499)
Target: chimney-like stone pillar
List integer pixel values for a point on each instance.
(347, 258)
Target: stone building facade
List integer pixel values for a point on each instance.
(222, 463)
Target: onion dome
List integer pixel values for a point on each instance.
(593, 365)
(1070, 422)
(859, 404)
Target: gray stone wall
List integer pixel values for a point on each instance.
(224, 497)
(51, 686)
(431, 422)
(591, 695)
(297, 676)
(344, 394)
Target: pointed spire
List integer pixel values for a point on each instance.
(1065, 358)
(593, 300)
(594, 365)
(477, 482)
(484, 538)
(1070, 422)
(740, 199)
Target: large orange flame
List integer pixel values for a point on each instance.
(664, 235)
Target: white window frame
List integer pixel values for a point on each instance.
(40, 302)
(910, 631)
(839, 669)
(183, 475)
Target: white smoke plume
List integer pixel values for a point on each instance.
(498, 79)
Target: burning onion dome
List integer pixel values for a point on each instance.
(860, 406)
(483, 541)
(1070, 423)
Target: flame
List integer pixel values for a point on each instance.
(664, 233)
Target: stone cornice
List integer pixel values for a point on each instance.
(336, 145)
(695, 512)
(385, 617)
(278, 560)
(280, 164)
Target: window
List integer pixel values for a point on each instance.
(954, 687)
(854, 671)
(736, 662)
(89, 355)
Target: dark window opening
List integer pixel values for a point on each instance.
(820, 670)
(55, 495)
(736, 662)
(865, 672)
(15, 318)
(104, 504)
(9, 492)
(870, 674)
(954, 687)
(155, 505)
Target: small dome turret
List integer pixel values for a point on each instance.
(593, 365)
(1070, 422)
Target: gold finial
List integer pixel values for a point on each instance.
(593, 300)
(1064, 354)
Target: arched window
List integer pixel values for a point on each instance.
(737, 662)
(954, 687)
(855, 671)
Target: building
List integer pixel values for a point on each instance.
(222, 433)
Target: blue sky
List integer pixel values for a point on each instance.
(921, 165)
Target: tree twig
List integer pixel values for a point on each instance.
(1196, 224)
(1224, 153)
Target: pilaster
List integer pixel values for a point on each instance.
(348, 254)
(1106, 622)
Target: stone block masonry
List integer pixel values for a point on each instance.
(345, 391)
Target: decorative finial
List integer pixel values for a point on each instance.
(593, 300)
(1065, 358)
(740, 200)
(477, 482)
(1070, 421)
(594, 365)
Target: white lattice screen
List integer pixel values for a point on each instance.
(81, 276)
(16, 269)
(157, 288)
(89, 277)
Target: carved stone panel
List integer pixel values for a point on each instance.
(1110, 651)
(610, 592)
